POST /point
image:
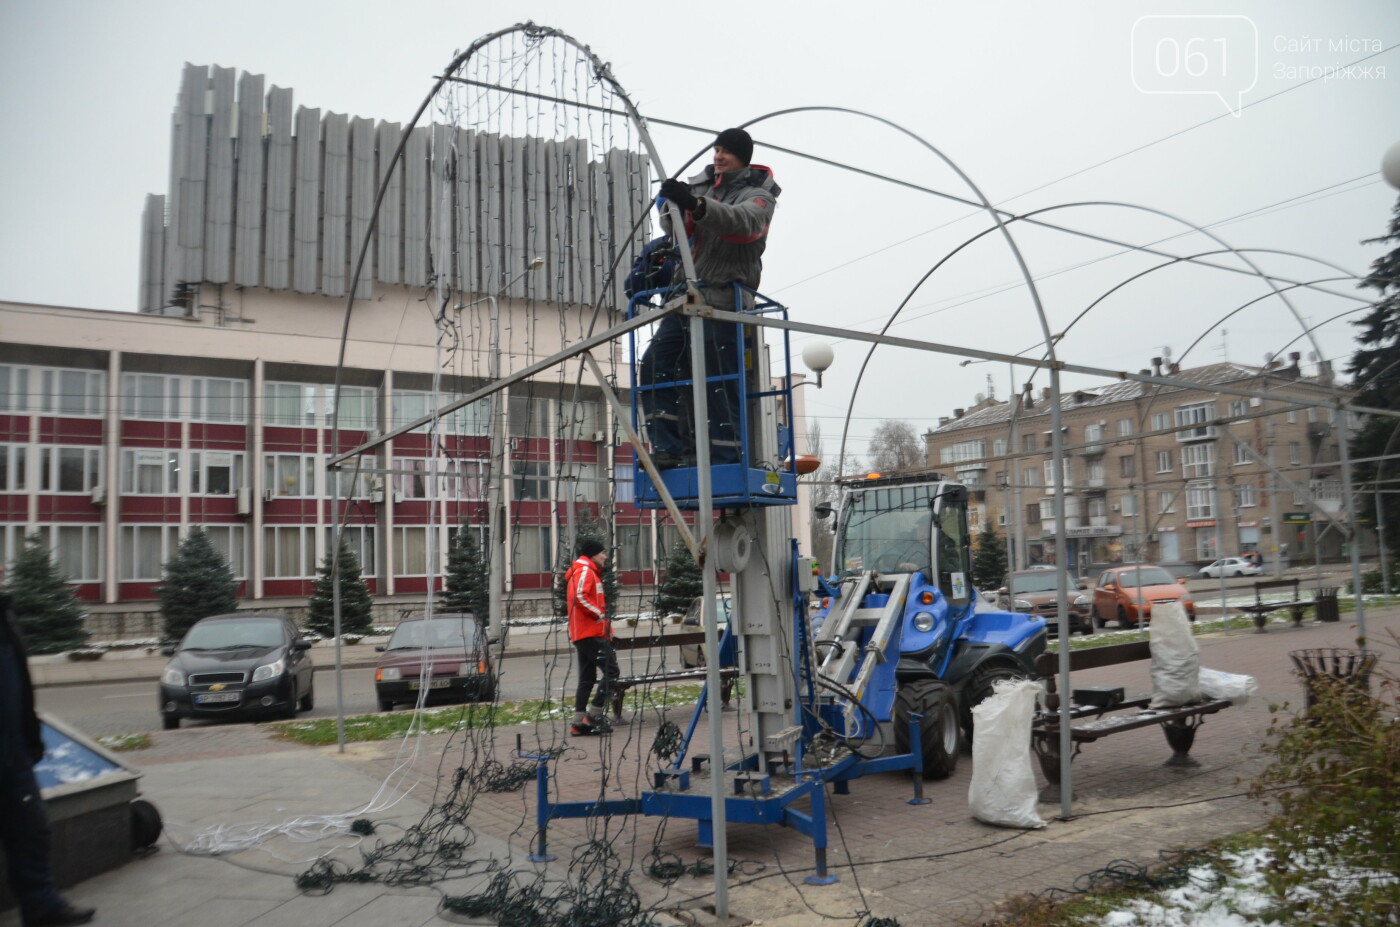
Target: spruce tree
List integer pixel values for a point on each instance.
(356, 607)
(683, 582)
(45, 608)
(1375, 368)
(988, 560)
(467, 587)
(195, 583)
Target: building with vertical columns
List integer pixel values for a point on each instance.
(211, 406)
(1158, 474)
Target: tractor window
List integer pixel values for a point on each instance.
(951, 540)
(886, 529)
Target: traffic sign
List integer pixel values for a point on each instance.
(1296, 518)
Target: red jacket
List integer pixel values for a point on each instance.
(584, 587)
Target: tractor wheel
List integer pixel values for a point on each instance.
(978, 689)
(308, 701)
(938, 728)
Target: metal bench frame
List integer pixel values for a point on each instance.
(1089, 723)
(1260, 609)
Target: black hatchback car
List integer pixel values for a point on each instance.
(233, 665)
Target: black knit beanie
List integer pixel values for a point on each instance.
(590, 547)
(737, 143)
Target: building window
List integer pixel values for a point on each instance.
(1127, 465)
(531, 480)
(1030, 476)
(357, 408)
(633, 548)
(218, 400)
(1093, 433)
(152, 472)
(71, 392)
(76, 550)
(1098, 507)
(410, 405)
(1199, 415)
(1161, 421)
(69, 469)
(1200, 501)
(412, 482)
(1291, 416)
(1243, 453)
(1049, 467)
(150, 396)
(12, 467)
(1166, 503)
(1125, 426)
(1164, 461)
(1295, 453)
(1028, 442)
(292, 475)
(999, 447)
(578, 482)
(578, 421)
(359, 539)
(411, 550)
(1238, 408)
(531, 553)
(231, 543)
(1095, 475)
(529, 417)
(1205, 544)
(1130, 505)
(1033, 512)
(290, 405)
(216, 473)
(289, 551)
(144, 549)
(963, 451)
(14, 388)
(1197, 460)
(354, 480)
(1244, 496)
(1300, 498)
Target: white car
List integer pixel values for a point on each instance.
(1230, 566)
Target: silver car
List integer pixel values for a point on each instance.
(693, 655)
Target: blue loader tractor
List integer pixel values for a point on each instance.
(901, 593)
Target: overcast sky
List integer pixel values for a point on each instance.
(1027, 98)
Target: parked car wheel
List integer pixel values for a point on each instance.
(308, 701)
(385, 705)
(290, 712)
(1123, 621)
(170, 722)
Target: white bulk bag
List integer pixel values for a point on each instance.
(1219, 684)
(1003, 789)
(1176, 657)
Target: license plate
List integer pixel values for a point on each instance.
(434, 684)
(205, 698)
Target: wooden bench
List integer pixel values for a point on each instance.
(1089, 723)
(695, 674)
(1260, 609)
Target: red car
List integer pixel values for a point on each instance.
(1127, 594)
(448, 656)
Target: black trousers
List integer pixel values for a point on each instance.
(594, 654)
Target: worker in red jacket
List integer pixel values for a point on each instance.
(591, 633)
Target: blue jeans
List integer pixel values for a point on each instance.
(669, 412)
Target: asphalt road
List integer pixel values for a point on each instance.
(130, 707)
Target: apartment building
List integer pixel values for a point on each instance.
(1177, 475)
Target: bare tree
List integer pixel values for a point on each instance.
(895, 446)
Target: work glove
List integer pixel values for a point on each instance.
(678, 192)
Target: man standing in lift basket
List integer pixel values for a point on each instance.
(727, 210)
(590, 630)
